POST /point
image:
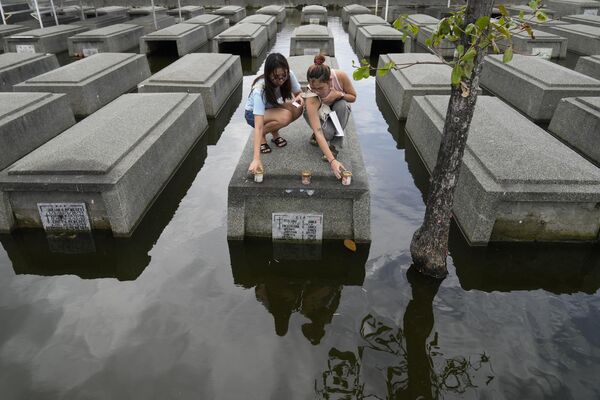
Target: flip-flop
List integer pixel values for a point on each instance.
(265, 148)
(279, 141)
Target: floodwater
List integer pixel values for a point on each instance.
(178, 312)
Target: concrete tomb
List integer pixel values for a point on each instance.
(589, 66)
(249, 39)
(282, 203)
(312, 40)
(445, 48)
(569, 7)
(592, 20)
(110, 10)
(110, 39)
(546, 26)
(533, 85)
(576, 122)
(582, 39)
(135, 12)
(373, 40)
(268, 21)
(18, 67)
(299, 65)
(187, 12)
(277, 11)
(8, 30)
(314, 15)
(353, 9)
(422, 20)
(233, 14)
(214, 76)
(106, 171)
(357, 21)
(103, 21)
(45, 40)
(401, 85)
(93, 82)
(214, 24)
(517, 182)
(28, 120)
(515, 10)
(180, 39)
(545, 44)
(147, 22)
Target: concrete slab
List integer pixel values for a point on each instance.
(517, 182)
(93, 82)
(147, 22)
(577, 123)
(135, 12)
(103, 21)
(314, 15)
(400, 86)
(250, 39)
(312, 40)
(187, 12)
(372, 40)
(582, 39)
(544, 44)
(115, 162)
(109, 10)
(18, 67)
(533, 85)
(110, 39)
(345, 209)
(214, 76)
(214, 24)
(274, 10)
(592, 20)
(589, 66)
(515, 9)
(8, 30)
(268, 21)
(182, 38)
(546, 26)
(353, 9)
(233, 14)
(445, 49)
(569, 7)
(357, 21)
(299, 65)
(422, 19)
(45, 40)
(28, 120)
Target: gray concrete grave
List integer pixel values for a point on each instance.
(18, 67)
(182, 38)
(233, 14)
(445, 48)
(345, 210)
(422, 19)
(589, 66)
(93, 82)
(214, 76)
(312, 40)
(277, 11)
(268, 21)
(108, 168)
(515, 9)
(135, 12)
(110, 39)
(187, 12)
(582, 39)
(353, 9)
(109, 10)
(45, 40)
(576, 122)
(299, 65)
(378, 39)
(8, 30)
(314, 15)
(569, 7)
(533, 85)
(214, 24)
(28, 120)
(593, 20)
(544, 44)
(357, 21)
(517, 182)
(546, 26)
(103, 21)
(243, 38)
(147, 22)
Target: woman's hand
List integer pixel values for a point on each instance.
(337, 168)
(255, 165)
(332, 97)
(300, 100)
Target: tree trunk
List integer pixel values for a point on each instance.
(429, 246)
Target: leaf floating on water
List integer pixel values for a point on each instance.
(350, 245)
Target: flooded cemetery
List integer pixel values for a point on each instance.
(139, 258)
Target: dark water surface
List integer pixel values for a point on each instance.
(178, 312)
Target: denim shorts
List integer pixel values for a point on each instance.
(250, 117)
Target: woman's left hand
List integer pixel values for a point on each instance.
(300, 100)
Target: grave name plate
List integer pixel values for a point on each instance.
(25, 48)
(297, 227)
(64, 217)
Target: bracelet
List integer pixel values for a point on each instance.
(332, 160)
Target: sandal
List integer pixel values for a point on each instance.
(313, 140)
(279, 141)
(265, 148)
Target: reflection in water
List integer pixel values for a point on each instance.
(99, 254)
(298, 278)
(409, 366)
(217, 125)
(395, 126)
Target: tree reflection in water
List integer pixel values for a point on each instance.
(413, 367)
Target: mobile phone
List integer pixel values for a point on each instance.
(296, 104)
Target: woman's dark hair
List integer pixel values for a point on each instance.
(275, 61)
(319, 70)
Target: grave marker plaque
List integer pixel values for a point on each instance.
(297, 227)
(64, 217)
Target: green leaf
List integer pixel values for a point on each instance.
(534, 4)
(521, 14)
(460, 49)
(508, 55)
(469, 29)
(503, 10)
(541, 16)
(429, 41)
(470, 54)
(468, 68)
(366, 72)
(359, 73)
(414, 29)
(364, 62)
(483, 22)
(398, 24)
(456, 74)
(383, 71)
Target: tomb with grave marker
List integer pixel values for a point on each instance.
(103, 21)
(589, 66)
(276, 11)
(52, 39)
(250, 39)
(582, 39)
(186, 12)
(372, 40)
(311, 40)
(111, 39)
(544, 44)
(153, 23)
(18, 67)
(8, 30)
(268, 21)
(179, 39)
(314, 15)
(353, 9)
(357, 21)
(593, 20)
(233, 14)
(214, 24)
(569, 7)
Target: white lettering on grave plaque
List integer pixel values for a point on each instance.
(542, 52)
(25, 48)
(90, 52)
(590, 11)
(64, 216)
(315, 21)
(311, 52)
(297, 227)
